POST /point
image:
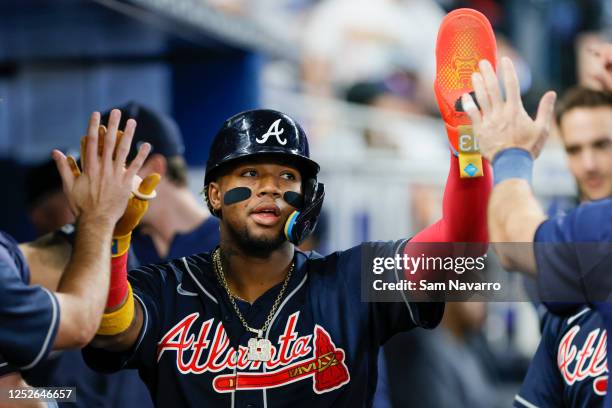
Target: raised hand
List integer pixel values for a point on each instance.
(142, 190)
(502, 124)
(104, 186)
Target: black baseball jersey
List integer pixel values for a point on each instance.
(192, 349)
(570, 366)
(573, 257)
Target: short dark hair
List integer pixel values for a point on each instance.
(154, 127)
(580, 97)
(176, 171)
(41, 181)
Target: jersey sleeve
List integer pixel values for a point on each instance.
(464, 209)
(150, 285)
(386, 317)
(543, 385)
(6, 368)
(30, 315)
(571, 254)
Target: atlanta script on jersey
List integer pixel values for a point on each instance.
(570, 367)
(193, 350)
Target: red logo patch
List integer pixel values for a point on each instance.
(325, 366)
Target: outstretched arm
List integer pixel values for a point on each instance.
(464, 209)
(98, 196)
(511, 139)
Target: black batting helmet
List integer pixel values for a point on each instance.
(256, 133)
(266, 132)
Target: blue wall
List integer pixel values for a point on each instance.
(61, 60)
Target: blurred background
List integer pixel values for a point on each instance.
(357, 74)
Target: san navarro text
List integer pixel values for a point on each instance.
(424, 285)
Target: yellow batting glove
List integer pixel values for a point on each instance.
(137, 207)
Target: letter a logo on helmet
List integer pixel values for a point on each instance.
(273, 131)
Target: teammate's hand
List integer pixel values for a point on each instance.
(103, 188)
(143, 190)
(501, 124)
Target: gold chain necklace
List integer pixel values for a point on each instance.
(260, 349)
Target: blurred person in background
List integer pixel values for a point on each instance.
(395, 94)
(47, 204)
(585, 122)
(175, 224)
(347, 41)
(594, 61)
(403, 128)
(444, 368)
(569, 366)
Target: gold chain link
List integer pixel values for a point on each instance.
(221, 276)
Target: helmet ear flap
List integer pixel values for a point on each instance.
(301, 223)
(310, 189)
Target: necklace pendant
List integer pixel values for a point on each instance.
(259, 349)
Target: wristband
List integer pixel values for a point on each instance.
(118, 288)
(512, 163)
(120, 320)
(120, 245)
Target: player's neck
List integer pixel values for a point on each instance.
(176, 213)
(250, 276)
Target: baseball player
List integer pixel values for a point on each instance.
(558, 371)
(571, 255)
(569, 368)
(256, 322)
(36, 320)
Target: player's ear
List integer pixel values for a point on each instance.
(214, 196)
